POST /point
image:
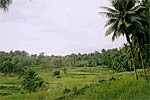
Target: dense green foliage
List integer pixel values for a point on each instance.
(117, 59)
(15, 62)
(31, 82)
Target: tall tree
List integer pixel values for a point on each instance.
(121, 19)
(141, 30)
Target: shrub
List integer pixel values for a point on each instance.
(74, 89)
(31, 82)
(64, 70)
(99, 81)
(66, 90)
(56, 73)
(58, 76)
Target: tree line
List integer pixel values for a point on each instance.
(117, 59)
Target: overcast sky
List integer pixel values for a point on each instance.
(56, 27)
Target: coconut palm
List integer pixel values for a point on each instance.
(136, 38)
(146, 23)
(141, 30)
(122, 18)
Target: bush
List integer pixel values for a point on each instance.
(66, 90)
(74, 89)
(31, 81)
(64, 70)
(58, 76)
(101, 81)
(5, 94)
(56, 73)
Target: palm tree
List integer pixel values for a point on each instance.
(146, 15)
(5, 3)
(141, 33)
(121, 19)
(137, 40)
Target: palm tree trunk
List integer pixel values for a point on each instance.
(133, 62)
(143, 66)
(131, 51)
(141, 57)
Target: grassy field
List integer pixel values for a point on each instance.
(123, 87)
(78, 84)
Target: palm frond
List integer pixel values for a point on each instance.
(119, 5)
(111, 29)
(136, 20)
(108, 14)
(138, 9)
(126, 23)
(116, 34)
(110, 21)
(130, 4)
(120, 22)
(109, 9)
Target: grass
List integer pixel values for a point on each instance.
(125, 87)
(85, 83)
(75, 77)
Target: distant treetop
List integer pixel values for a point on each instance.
(5, 3)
